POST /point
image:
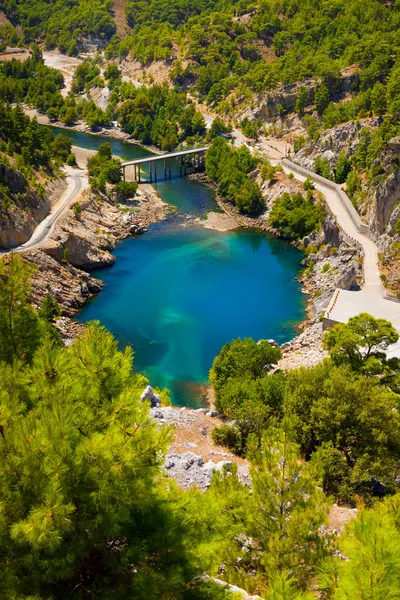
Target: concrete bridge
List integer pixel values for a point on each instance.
(193, 157)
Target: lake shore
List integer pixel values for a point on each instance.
(325, 270)
(226, 220)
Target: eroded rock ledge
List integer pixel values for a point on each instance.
(82, 240)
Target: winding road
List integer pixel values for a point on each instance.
(371, 298)
(77, 182)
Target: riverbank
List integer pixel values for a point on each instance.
(114, 132)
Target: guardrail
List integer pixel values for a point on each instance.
(345, 200)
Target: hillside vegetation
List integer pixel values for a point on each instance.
(63, 25)
(87, 509)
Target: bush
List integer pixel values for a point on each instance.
(71, 160)
(228, 436)
(246, 358)
(125, 189)
(343, 168)
(322, 167)
(308, 184)
(296, 216)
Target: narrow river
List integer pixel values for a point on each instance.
(178, 294)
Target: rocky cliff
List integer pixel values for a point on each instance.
(332, 142)
(267, 106)
(22, 208)
(378, 197)
(83, 239)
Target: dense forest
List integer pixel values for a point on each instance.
(63, 25)
(246, 47)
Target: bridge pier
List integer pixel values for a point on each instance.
(193, 157)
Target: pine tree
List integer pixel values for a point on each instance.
(85, 510)
(20, 327)
(371, 544)
(272, 543)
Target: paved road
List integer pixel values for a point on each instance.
(370, 299)
(371, 270)
(77, 181)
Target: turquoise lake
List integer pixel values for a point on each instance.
(178, 293)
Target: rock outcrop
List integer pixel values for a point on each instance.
(149, 396)
(332, 142)
(85, 235)
(21, 207)
(267, 105)
(83, 239)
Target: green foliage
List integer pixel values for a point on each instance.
(31, 142)
(353, 184)
(302, 100)
(157, 115)
(342, 169)
(322, 98)
(356, 415)
(86, 75)
(61, 146)
(244, 392)
(50, 309)
(218, 127)
(268, 171)
(275, 547)
(85, 506)
(295, 215)
(62, 24)
(20, 328)
(250, 359)
(103, 168)
(370, 545)
(229, 167)
(322, 167)
(125, 189)
(361, 343)
(308, 184)
(254, 404)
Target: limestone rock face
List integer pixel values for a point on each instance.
(149, 396)
(21, 208)
(329, 234)
(386, 197)
(286, 95)
(69, 286)
(342, 138)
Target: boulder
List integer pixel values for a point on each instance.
(149, 396)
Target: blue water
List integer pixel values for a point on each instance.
(178, 294)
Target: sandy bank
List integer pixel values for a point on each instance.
(217, 222)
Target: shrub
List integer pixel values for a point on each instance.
(125, 189)
(308, 184)
(296, 216)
